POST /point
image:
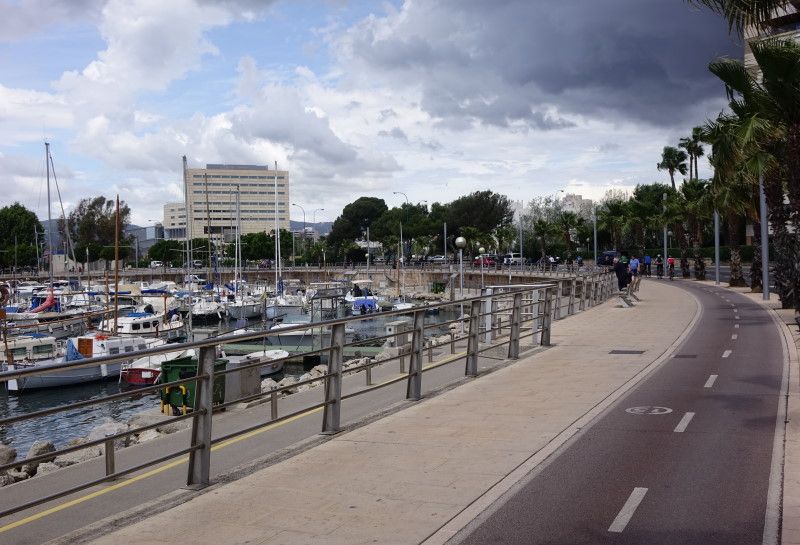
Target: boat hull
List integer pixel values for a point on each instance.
(64, 377)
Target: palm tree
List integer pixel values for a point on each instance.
(743, 13)
(698, 207)
(768, 109)
(673, 159)
(694, 149)
(611, 217)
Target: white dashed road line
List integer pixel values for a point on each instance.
(625, 515)
(736, 326)
(734, 337)
(727, 353)
(681, 427)
(710, 382)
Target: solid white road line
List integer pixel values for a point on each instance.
(710, 382)
(681, 427)
(624, 516)
(727, 353)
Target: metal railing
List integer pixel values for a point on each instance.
(500, 316)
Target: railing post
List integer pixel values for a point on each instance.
(109, 454)
(495, 321)
(559, 289)
(547, 317)
(486, 318)
(200, 457)
(471, 369)
(331, 414)
(516, 322)
(273, 405)
(582, 301)
(414, 388)
(571, 306)
(536, 320)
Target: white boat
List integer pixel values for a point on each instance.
(145, 323)
(243, 307)
(285, 304)
(403, 305)
(207, 310)
(147, 369)
(76, 349)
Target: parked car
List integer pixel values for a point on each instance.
(485, 259)
(438, 259)
(513, 259)
(156, 264)
(197, 263)
(607, 258)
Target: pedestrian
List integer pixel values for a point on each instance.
(647, 261)
(633, 269)
(621, 270)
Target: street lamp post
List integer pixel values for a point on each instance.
(461, 242)
(664, 207)
(481, 250)
(594, 229)
(402, 247)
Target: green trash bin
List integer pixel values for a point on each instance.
(181, 397)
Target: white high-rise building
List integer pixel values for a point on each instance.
(211, 195)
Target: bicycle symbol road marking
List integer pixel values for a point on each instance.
(648, 409)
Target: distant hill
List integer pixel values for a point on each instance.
(322, 227)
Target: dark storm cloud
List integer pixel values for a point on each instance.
(502, 62)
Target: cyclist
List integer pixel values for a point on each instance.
(671, 267)
(659, 266)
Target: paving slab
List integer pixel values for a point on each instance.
(403, 478)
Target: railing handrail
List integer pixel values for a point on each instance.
(595, 288)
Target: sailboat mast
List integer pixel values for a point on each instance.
(116, 266)
(49, 216)
(238, 248)
(187, 231)
(208, 225)
(277, 234)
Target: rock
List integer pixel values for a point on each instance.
(78, 456)
(37, 449)
(147, 419)
(6, 480)
(18, 475)
(76, 441)
(268, 384)
(148, 435)
(109, 427)
(46, 467)
(7, 454)
(318, 370)
(287, 381)
(304, 377)
(443, 339)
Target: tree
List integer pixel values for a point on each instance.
(167, 251)
(672, 160)
(18, 226)
(483, 210)
(92, 224)
(741, 14)
(355, 218)
(694, 149)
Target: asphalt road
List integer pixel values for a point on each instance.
(697, 474)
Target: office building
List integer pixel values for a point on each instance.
(211, 195)
(785, 25)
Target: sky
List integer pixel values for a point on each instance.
(433, 98)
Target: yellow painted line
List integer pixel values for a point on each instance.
(170, 465)
(146, 475)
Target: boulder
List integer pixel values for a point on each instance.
(148, 435)
(107, 428)
(37, 449)
(18, 475)
(268, 384)
(147, 419)
(5, 480)
(78, 456)
(7, 454)
(287, 381)
(46, 467)
(318, 370)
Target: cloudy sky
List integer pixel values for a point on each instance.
(436, 98)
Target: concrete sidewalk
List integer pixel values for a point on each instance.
(422, 473)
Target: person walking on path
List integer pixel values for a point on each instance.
(621, 270)
(634, 269)
(647, 262)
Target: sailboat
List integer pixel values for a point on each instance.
(241, 305)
